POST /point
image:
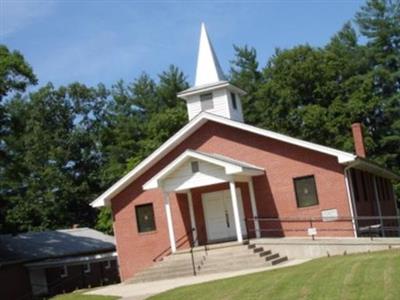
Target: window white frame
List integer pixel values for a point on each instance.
(64, 272)
(108, 265)
(86, 268)
(234, 101)
(206, 101)
(195, 166)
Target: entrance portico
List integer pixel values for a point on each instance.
(223, 210)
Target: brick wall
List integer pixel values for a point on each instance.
(274, 192)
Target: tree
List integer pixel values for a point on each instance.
(244, 72)
(15, 72)
(61, 147)
(168, 118)
(52, 160)
(121, 133)
(296, 94)
(379, 22)
(15, 76)
(104, 221)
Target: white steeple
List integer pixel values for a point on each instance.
(212, 92)
(208, 68)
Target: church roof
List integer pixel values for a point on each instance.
(342, 156)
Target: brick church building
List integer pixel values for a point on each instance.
(219, 179)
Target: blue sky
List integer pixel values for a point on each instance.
(104, 41)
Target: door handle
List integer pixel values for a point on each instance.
(227, 219)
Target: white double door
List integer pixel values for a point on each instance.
(219, 217)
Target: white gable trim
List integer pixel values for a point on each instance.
(192, 126)
(231, 168)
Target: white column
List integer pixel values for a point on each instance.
(192, 219)
(254, 208)
(168, 213)
(235, 207)
(378, 205)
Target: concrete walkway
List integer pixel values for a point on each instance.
(140, 291)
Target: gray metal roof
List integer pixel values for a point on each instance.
(34, 246)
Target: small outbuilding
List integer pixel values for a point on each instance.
(37, 264)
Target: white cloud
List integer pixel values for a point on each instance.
(16, 15)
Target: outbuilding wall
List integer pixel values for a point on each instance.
(371, 203)
(14, 282)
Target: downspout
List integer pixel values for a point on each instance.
(350, 197)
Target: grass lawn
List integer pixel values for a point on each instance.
(363, 276)
(80, 296)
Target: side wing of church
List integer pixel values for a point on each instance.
(219, 179)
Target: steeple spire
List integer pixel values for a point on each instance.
(208, 68)
(211, 92)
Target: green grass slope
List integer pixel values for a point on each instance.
(363, 276)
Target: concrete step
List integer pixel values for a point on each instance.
(271, 257)
(228, 260)
(182, 262)
(279, 260)
(226, 250)
(217, 254)
(265, 253)
(233, 255)
(258, 250)
(185, 256)
(219, 258)
(230, 245)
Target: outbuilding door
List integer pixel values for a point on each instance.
(218, 214)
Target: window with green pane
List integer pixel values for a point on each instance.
(145, 217)
(306, 191)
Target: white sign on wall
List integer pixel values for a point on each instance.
(312, 231)
(329, 215)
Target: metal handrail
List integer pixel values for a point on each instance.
(342, 218)
(192, 246)
(371, 229)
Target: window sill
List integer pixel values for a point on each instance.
(309, 207)
(148, 232)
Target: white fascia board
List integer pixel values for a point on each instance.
(155, 181)
(189, 128)
(232, 169)
(253, 172)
